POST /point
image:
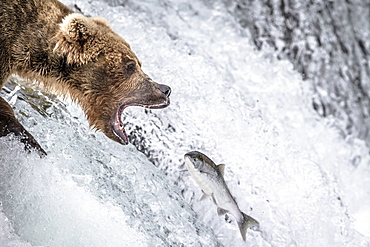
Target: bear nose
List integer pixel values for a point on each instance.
(166, 90)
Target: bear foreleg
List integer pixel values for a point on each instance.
(9, 124)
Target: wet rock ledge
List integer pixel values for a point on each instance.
(328, 42)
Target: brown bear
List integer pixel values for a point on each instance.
(71, 54)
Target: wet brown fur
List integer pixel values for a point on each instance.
(74, 55)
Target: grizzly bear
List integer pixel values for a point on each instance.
(71, 54)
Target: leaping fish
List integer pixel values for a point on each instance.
(210, 178)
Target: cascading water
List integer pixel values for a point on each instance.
(294, 172)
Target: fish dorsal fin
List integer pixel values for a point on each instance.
(221, 169)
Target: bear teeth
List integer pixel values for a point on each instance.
(118, 127)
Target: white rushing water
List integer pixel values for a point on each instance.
(294, 172)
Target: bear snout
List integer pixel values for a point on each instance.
(166, 90)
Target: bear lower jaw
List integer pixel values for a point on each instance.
(118, 126)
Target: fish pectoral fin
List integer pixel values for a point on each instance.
(186, 172)
(221, 211)
(221, 169)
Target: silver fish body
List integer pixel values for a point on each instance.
(210, 179)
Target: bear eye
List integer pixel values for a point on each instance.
(130, 67)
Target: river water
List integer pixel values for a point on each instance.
(293, 171)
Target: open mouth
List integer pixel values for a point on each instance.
(118, 127)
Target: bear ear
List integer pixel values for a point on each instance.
(77, 27)
(77, 39)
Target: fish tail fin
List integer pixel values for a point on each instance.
(246, 223)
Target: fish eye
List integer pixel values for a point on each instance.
(198, 162)
(197, 159)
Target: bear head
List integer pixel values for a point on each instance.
(103, 74)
